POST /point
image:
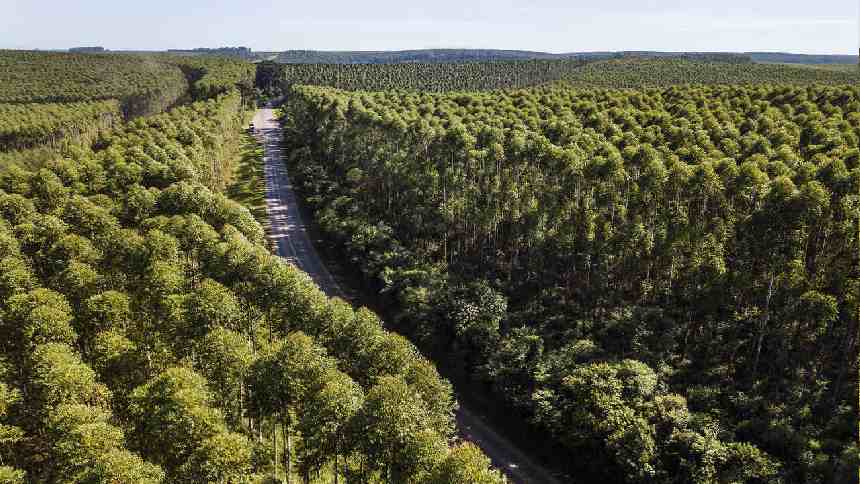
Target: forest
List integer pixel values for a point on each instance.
(278, 78)
(152, 337)
(631, 71)
(28, 125)
(50, 102)
(143, 84)
(448, 56)
(665, 280)
(653, 263)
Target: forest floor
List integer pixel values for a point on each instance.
(293, 240)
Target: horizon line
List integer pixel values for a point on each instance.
(397, 50)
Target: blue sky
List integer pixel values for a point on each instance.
(820, 26)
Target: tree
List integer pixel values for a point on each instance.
(608, 400)
(10, 475)
(118, 361)
(87, 448)
(474, 311)
(224, 457)
(324, 423)
(16, 276)
(414, 449)
(172, 416)
(465, 463)
(60, 377)
(210, 305)
(283, 381)
(224, 357)
(108, 310)
(37, 317)
(10, 435)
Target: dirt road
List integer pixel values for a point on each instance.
(290, 235)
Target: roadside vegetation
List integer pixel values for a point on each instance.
(248, 183)
(652, 262)
(663, 280)
(152, 337)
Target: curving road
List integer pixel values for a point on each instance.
(292, 241)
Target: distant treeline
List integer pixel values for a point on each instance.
(87, 50)
(475, 55)
(241, 52)
(490, 55)
(632, 71)
(802, 58)
(275, 78)
(487, 55)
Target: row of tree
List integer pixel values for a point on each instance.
(27, 125)
(151, 337)
(144, 84)
(642, 72)
(474, 76)
(664, 280)
(32, 132)
(210, 76)
(630, 71)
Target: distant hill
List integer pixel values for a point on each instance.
(786, 58)
(87, 50)
(445, 56)
(240, 52)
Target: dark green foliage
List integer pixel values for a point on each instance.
(637, 73)
(665, 280)
(424, 77)
(630, 71)
(211, 76)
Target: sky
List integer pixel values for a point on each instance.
(813, 27)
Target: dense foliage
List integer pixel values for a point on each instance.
(474, 55)
(633, 71)
(636, 73)
(413, 56)
(808, 59)
(415, 76)
(143, 84)
(211, 76)
(239, 52)
(149, 335)
(27, 125)
(664, 280)
(33, 132)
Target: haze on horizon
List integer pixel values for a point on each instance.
(822, 27)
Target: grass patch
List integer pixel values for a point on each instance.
(248, 183)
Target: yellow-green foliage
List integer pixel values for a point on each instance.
(27, 76)
(25, 125)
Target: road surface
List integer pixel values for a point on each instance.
(292, 241)
(288, 233)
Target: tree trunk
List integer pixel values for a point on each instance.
(762, 327)
(289, 453)
(275, 445)
(335, 469)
